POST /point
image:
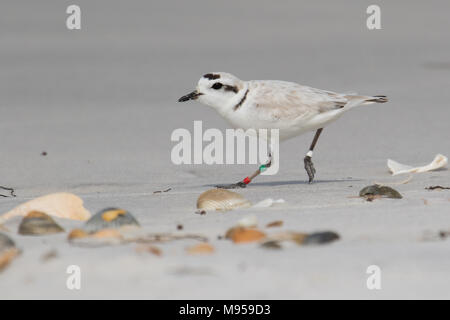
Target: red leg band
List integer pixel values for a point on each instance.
(247, 180)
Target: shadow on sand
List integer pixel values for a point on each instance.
(291, 182)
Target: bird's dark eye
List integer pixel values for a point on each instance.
(217, 86)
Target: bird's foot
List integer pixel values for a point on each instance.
(237, 185)
(309, 167)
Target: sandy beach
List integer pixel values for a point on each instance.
(101, 102)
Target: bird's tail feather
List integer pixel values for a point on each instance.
(355, 100)
(378, 99)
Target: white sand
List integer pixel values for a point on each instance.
(102, 103)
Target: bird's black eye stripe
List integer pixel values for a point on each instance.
(211, 76)
(231, 88)
(217, 86)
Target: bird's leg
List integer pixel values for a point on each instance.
(309, 166)
(247, 180)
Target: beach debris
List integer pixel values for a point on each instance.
(11, 192)
(144, 248)
(437, 188)
(49, 255)
(8, 251)
(109, 226)
(200, 212)
(244, 235)
(200, 249)
(221, 200)
(43, 153)
(248, 222)
(104, 237)
(161, 191)
(273, 224)
(379, 191)
(61, 205)
(269, 202)
(180, 227)
(436, 236)
(276, 240)
(77, 234)
(110, 218)
(165, 237)
(125, 235)
(38, 223)
(438, 162)
(316, 238)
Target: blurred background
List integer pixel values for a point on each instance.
(103, 100)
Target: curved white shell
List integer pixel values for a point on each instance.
(222, 200)
(439, 161)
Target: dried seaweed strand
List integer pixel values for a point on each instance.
(11, 191)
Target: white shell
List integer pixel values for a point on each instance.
(222, 200)
(439, 161)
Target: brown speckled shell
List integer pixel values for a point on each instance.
(222, 200)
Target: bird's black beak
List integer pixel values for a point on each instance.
(191, 96)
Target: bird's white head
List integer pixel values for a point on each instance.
(219, 90)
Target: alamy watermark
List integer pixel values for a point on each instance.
(262, 146)
(374, 279)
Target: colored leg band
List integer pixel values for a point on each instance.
(262, 168)
(247, 180)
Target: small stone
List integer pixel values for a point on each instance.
(320, 238)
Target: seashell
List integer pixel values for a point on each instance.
(38, 223)
(221, 200)
(8, 251)
(438, 162)
(107, 233)
(248, 222)
(320, 238)
(377, 190)
(269, 202)
(296, 237)
(110, 218)
(201, 248)
(61, 205)
(244, 235)
(77, 234)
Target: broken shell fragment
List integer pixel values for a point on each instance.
(378, 190)
(201, 248)
(275, 241)
(38, 223)
(110, 218)
(244, 235)
(77, 234)
(221, 200)
(273, 224)
(438, 162)
(150, 249)
(61, 205)
(8, 251)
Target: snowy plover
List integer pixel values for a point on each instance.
(291, 108)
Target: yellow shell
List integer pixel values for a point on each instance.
(222, 200)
